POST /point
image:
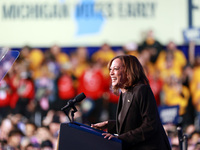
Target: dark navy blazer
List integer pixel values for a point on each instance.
(140, 127)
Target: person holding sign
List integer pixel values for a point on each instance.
(137, 122)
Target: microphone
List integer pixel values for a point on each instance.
(71, 102)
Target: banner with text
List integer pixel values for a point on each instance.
(92, 22)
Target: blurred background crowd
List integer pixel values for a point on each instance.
(41, 81)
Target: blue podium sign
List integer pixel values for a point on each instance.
(77, 136)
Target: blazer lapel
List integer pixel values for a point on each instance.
(124, 109)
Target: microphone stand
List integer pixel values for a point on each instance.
(185, 144)
(182, 139)
(71, 105)
(72, 113)
(66, 111)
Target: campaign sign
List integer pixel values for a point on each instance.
(191, 34)
(169, 114)
(7, 58)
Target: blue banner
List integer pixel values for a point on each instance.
(169, 114)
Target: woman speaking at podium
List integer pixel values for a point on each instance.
(137, 123)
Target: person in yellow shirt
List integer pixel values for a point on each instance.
(61, 57)
(175, 93)
(171, 59)
(153, 45)
(195, 83)
(79, 61)
(195, 89)
(36, 58)
(167, 66)
(103, 56)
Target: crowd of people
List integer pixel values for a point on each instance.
(41, 82)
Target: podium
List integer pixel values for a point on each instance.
(77, 136)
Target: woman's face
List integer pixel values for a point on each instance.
(117, 74)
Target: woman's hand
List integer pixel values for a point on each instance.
(100, 126)
(109, 136)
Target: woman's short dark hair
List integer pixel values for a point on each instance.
(133, 70)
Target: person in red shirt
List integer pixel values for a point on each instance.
(23, 90)
(26, 94)
(65, 88)
(5, 95)
(91, 82)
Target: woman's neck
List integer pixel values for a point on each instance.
(123, 90)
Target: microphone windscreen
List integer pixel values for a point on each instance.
(80, 97)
